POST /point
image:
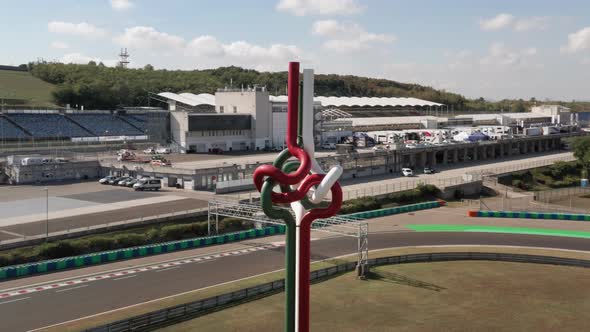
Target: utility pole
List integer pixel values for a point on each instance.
(46, 214)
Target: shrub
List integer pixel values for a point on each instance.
(129, 240)
(58, 249)
(101, 243)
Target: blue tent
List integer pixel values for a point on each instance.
(478, 136)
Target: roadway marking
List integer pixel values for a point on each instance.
(12, 233)
(168, 269)
(279, 270)
(15, 300)
(69, 289)
(112, 275)
(127, 277)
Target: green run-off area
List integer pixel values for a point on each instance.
(498, 229)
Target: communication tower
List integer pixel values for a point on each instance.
(124, 55)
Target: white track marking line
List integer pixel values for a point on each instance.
(139, 267)
(69, 289)
(168, 269)
(127, 277)
(16, 300)
(95, 277)
(262, 274)
(11, 233)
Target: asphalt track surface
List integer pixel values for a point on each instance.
(44, 308)
(91, 219)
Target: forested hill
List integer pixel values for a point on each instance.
(98, 86)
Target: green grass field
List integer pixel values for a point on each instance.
(22, 85)
(444, 296)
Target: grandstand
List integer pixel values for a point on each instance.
(8, 130)
(139, 121)
(52, 125)
(100, 124)
(87, 126)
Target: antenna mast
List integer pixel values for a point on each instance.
(124, 55)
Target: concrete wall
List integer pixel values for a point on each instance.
(253, 102)
(179, 127)
(75, 170)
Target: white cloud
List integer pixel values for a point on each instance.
(320, 7)
(346, 37)
(500, 55)
(531, 23)
(504, 21)
(75, 29)
(121, 4)
(60, 45)
(497, 22)
(577, 41)
(205, 51)
(141, 37)
(247, 51)
(205, 46)
(80, 58)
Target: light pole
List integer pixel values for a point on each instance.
(46, 213)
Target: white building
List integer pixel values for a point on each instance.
(250, 119)
(240, 122)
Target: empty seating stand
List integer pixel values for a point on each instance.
(105, 124)
(137, 120)
(48, 125)
(9, 131)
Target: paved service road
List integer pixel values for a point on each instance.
(53, 306)
(99, 218)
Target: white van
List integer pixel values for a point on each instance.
(31, 161)
(148, 184)
(407, 171)
(164, 150)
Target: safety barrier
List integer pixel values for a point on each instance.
(15, 271)
(29, 269)
(529, 215)
(169, 316)
(395, 210)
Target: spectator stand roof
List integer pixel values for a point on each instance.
(190, 99)
(193, 100)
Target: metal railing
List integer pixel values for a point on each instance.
(549, 196)
(165, 317)
(372, 189)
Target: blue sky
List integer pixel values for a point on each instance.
(494, 49)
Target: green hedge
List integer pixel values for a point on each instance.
(420, 194)
(96, 243)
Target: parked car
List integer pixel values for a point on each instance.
(106, 179)
(113, 181)
(407, 171)
(164, 150)
(149, 150)
(148, 184)
(429, 170)
(131, 182)
(61, 160)
(123, 180)
(329, 146)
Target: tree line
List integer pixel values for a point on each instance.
(97, 86)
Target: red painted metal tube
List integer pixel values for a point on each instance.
(297, 152)
(305, 252)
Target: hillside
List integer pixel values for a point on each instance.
(97, 86)
(21, 89)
